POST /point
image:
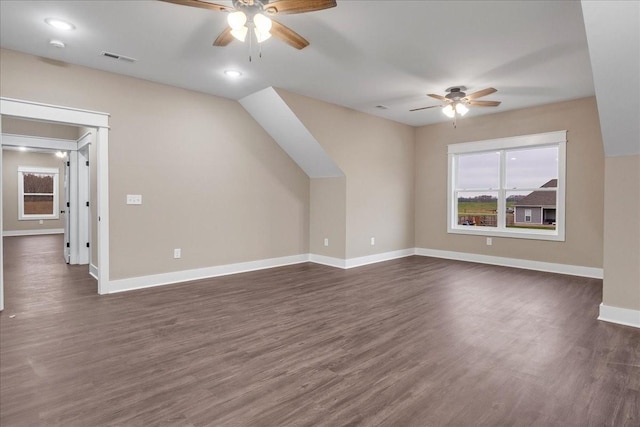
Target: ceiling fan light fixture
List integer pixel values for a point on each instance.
(461, 109)
(262, 27)
(236, 20)
(240, 33)
(263, 24)
(260, 36)
(448, 111)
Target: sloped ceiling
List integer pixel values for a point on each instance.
(275, 116)
(613, 34)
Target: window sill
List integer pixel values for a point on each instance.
(38, 217)
(473, 230)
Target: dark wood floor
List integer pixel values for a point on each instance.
(411, 342)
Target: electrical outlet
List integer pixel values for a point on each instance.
(326, 241)
(177, 253)
(134, 199)
(489, 241)
(373, 241)
(41, 222)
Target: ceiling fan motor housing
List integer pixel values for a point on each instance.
(455, 93)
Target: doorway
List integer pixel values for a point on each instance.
(41, 161)
(96, 121)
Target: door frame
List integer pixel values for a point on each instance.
(67, 215)
(29, 110)
(84, 198)
(76, 188)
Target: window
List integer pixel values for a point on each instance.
(38, 193)
(509, 187)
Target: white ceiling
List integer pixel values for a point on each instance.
(361, 54)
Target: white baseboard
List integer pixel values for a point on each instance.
(360, 261)
(141, 282)
(574, 270)
(621, 316)
(372, 259)
(327, 260)
(11, 233)
(93, 271)
(129, 284)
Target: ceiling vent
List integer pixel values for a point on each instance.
(382, 107)
(119, 57)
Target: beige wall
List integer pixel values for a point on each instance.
(41, 129)
(213, 183)
(376, 156)
(11, 160)
(328, 217)
(584, 190)
(622, 232)
(217, 186)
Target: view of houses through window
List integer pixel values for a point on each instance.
(530, 188)
(509, 189)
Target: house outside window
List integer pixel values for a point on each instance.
(37, 193)
(538, 207)
(508, 187)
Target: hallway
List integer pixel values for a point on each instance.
(37, 278)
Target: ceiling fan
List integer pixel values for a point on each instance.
(254, 16)
(457, 101)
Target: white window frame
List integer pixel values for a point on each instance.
(557, 139)
(22, 170)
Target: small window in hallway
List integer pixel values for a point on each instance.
(38, 193)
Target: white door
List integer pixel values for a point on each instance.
(64, 210)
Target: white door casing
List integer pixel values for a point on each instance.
(84, 210)
(64, 210)
(75, 117)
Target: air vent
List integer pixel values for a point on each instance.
(119, 57)
(382, 107)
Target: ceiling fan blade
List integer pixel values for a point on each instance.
(480, 93)
(224, 38)
(484, 103)
(202, 5)
(288, 36)
(298, 6)
(424, 108)
(438, 97)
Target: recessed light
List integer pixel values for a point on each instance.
(232, 73)
(56, 43)
(60, 24)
